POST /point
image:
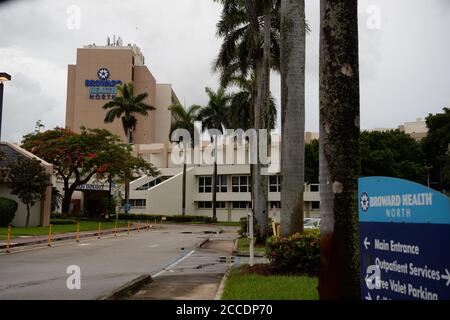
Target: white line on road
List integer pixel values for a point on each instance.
(173, 264)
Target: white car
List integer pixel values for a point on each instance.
(311, 223)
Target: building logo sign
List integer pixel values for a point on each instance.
(404, 238)
(103, 88)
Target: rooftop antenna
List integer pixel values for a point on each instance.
(108, 41)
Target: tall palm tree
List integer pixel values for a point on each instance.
(245, 25)
(215, 116)
(184, 119)
(241, 105)
(339, 149)
(293, 45)
(125, 106)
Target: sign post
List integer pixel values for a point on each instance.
(404, 240)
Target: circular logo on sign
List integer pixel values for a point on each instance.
(103, 73)
(364, 201)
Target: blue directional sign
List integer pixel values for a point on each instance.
(404, 240)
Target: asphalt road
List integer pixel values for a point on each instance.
(105, 264)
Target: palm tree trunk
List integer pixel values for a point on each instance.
(183, 196)
(339, 149)
(214, 182)
(292, 115)
(214, 192)
(127, 179)
(28, 215)
(261, 112)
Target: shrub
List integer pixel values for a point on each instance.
(243, 227)
(62, 222)
(176, 218)
(180, 218)
(8, 210)
(298, 254)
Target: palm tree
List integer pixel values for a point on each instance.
(184, 119)
(215, 116)
(241, 105)
(125, 106)
(250, 40)
(339, 149)
(293, 47)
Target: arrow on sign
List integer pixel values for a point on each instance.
(368, 297)
(446, 277)
(366, 243)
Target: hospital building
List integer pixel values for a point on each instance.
(92, 82)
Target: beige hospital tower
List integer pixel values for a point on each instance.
(91, 83)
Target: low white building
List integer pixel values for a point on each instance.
(40, 212)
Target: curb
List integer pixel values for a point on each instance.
(202, 243)
(65, 238)
(247, 254)
(128, 288)
(222, 285)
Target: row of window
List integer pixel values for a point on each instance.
(136, 202)
(238, 184)
(222, 204)
(150, 184)
(245, 205)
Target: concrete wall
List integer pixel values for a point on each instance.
(21, 213)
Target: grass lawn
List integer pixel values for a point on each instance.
(243, 246)
(243, 286)
(39, 231)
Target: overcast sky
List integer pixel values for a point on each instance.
(404, 55)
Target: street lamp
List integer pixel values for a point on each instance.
(3, 78)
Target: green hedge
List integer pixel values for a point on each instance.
(151, 218)
(298, 254)
(8, 210)
(62, 222)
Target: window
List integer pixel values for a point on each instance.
(204, 184)
(208, 205)
(275, 204)
(242, 204)
(150, 184)
(241, 183)
(314, 188)
(275, 184)
(222, 185)
(205, 205)
(137, 202)
(315, 205)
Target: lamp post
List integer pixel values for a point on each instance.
(3, 78)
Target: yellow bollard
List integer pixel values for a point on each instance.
(115, 229)
(128, 227)
(78, 232)
(8, 239)
(50, 235)
(139, 225)
(148, 226)
(99, 229)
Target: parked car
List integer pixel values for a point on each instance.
(311, 223)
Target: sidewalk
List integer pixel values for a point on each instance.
(197, 276)
(33, 240)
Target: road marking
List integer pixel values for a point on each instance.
(173, 264)
(153, 246)
(85, 244)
